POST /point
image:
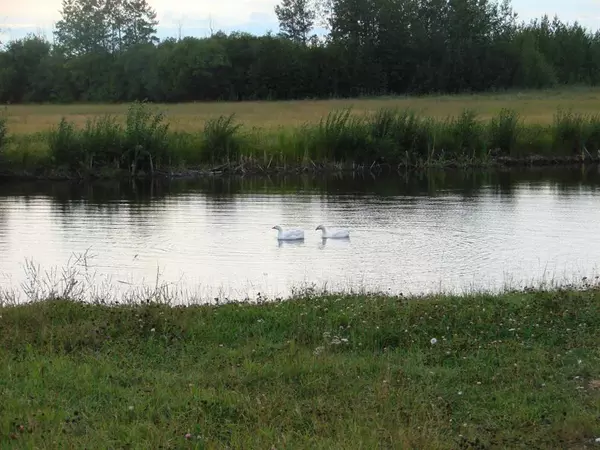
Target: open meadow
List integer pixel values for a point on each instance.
(534, 106)
(556, 126)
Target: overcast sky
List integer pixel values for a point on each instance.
(19, 17)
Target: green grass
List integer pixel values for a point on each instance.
(517, 370)
(3, 132)
(396, 138)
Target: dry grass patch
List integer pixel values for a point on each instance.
(534, 106)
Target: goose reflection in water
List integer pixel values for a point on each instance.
(296, 243)
(339, 242)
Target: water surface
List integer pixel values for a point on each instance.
(212, 238)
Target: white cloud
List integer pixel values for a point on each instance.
(34, 15)
(583, 11)
(223, 13)
(195, 16)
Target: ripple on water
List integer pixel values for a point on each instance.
(408, 243)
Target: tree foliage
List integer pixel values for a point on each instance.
(89, 26)
(296, 19)
(106, 50)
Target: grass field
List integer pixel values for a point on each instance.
(534, 106)
(517, 370)
(136, 139)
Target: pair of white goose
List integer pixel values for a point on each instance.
(296, 234)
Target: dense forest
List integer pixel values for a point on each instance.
(107, 51)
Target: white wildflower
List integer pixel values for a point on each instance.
(433, 341)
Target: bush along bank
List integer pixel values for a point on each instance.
(388, 138)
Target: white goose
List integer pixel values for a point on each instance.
(294, 234)
(335, 234)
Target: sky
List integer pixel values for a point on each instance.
(195, 18)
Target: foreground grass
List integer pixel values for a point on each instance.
(519, 370)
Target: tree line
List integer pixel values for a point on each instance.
(107, 51)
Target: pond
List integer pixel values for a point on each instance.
(212, 238)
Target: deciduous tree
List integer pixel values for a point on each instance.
(104, 25)
(296, 19)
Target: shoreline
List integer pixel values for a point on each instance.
(385, 140)
(324, 169)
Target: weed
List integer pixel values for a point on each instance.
(463, 136)
(145, 143)
(569, 132)
(503, 132)
(340, 137)
(221, 141)
(592, 134)
(65, 145)
(402, 136)
(3, 131)
(102, 139)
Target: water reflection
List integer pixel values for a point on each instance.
(335, 243)
(439, 229)
(298, 243)
(467, 184)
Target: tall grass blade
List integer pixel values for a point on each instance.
(222, 142)
(569, 133)
(65, 145)
(146, 140)
(503, 132)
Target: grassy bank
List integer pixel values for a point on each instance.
(534, 106)
(147, 143)
(518, 370)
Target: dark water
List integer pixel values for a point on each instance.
(450, 231)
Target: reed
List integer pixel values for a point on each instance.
(396, 137)
(504, 131)
(3, 132)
